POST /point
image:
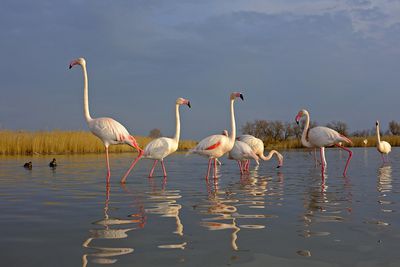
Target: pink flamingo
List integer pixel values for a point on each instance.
(257, 145)
(161, 147)
(320, 137)
(108, 130)
(217, 145)
(242, 152)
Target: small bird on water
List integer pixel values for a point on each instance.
(28, 165)
(53, 163)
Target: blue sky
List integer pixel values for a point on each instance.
(338, 59)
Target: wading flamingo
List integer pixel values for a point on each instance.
(242, 152)
(108, 130)
(383, 147)
(321, 137)
(217, 145)
(161, 147)
(257, 146)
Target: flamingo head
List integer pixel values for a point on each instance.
(79, 61)
(225, 132)
(280, 161)
(182, 101)
(377, 123)
(300, 114)
(236, 94)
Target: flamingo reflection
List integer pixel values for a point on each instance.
(164, 203)
(384, 186)
(111, 229)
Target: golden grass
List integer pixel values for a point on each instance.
(394, 140)
(64, 142)
(82, 142)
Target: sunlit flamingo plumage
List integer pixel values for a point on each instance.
(321, 137)
(217, 145)
(161, 147)
(383, 147)
(242, 152)
(108, 130)
(257, 145)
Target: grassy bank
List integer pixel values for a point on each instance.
(394, 140)
(63, 142)
(81, 142)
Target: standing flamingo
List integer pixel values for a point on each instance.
(215, 146)
(108, 130)
(320, 137)
(257, 146)
(242, 152)
(383, 147)
(161, 147)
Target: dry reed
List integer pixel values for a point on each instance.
(63, 142)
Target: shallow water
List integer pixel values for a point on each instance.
(276, 217)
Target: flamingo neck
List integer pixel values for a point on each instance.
(177, 124)
(378, 135)
(269, 156)
(232, 136)
(305, 131)
(85, 95)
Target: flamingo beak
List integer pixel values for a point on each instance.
(241, 96)
(188, 103)
(70, 66)
(298, 118)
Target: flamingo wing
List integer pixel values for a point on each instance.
(255, 143)
(109, 130)
(321, 136)
(160, 148)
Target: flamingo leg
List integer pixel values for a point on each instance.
(322, 155)
(248, 165)
(240, 166)
(215, 168)
(163, 168)
(152, 168)
(135, 145)
(108, 167)
(209, 167)
(348, 159)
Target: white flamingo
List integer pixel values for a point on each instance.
(242, 152)
(320, 137)
(108, 130)
(161, 147)
(257, 146)
(217, 145)
(383, 147)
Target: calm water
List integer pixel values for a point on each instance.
(286, 217)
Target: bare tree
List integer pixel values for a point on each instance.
(394, 128)
(155, 133)
(339, 126)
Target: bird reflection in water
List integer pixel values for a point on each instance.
(384, 186)
(325, 206)
(248, 194)
(110, 229)
(164, 203)
(219, 206)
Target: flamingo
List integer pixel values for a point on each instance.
(161, 147)
(383, 147)
(241, 152)
(214, 146)
(320, 137)
(257, 146)
(108, 130)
